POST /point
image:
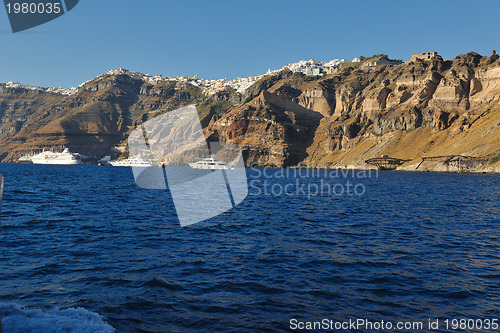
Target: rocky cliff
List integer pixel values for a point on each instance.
(414, 110)
(92, 122)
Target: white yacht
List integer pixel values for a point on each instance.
(25, 159)
(50, 157)
(210, 163)
(132, 162)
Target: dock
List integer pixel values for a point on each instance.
(385, 162)
(459, 162)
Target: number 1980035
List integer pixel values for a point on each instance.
(33, 8)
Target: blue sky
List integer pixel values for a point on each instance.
(227, 39)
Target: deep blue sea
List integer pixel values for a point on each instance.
(83, 249)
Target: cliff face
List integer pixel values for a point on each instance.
(412, 110)
(420, 108)
(272, 130)
(90, 122)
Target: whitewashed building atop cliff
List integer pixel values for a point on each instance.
(308, 67)
(313, 67)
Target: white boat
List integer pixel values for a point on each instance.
(210, 163)
(50, 157)
(132, 162)
(26, 159)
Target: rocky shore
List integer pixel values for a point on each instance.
(440, 115)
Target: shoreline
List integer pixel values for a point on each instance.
(349, 168)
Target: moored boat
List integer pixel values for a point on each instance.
(210, 163)
(51, 157)
(104, 161)
(25, 159)
(132, 162)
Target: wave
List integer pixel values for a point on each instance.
(19, 319)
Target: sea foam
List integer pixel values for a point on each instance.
(19, 319)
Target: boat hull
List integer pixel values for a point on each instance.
(25, 161)
(208, 167)
(131, 163)
(55, 162)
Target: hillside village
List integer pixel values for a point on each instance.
(307, 67)
(211, 86)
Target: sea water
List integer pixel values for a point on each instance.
(83, 249)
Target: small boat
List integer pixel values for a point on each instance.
(50, 157)
(132, 162)
(210, 163)
(26, 159)
(104, 161)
